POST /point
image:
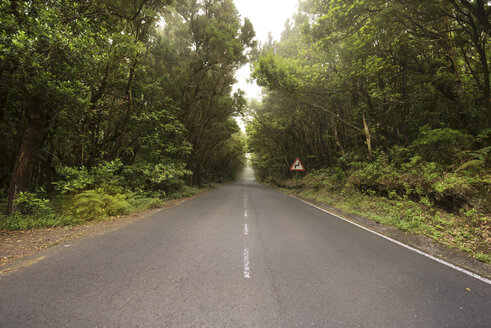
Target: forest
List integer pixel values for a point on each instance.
(107, 106)
(387, 104)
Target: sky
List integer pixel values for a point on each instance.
(266, 16)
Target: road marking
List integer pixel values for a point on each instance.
(22, 265)
(247, 273)
(453, 266)
(245, 205)
(247, 270)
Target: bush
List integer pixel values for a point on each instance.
(378, 175)
(75, 180)
(185, 191)
(426, 182)
(139, 202)
(441, 145)
(330, 179)
(107, 176)
(102, 176)
(96, 203)
(29, 203)
(155, 177)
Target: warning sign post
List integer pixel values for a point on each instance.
(297, 167)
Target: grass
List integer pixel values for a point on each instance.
(468, 231)
(60, 212)
(24, 222)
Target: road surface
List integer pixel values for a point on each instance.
(242, 255)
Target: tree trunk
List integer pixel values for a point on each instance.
(336, 137)
(367, 135)
(31, 142)
(129, 111)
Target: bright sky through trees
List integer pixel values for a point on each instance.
(266, 16)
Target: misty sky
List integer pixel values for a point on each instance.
(266, 16)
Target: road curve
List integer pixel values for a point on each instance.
(242, 255)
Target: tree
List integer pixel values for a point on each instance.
(90, 84)
(364, 76)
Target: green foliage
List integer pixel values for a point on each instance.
(486, 258)
(186, 191)
(96, 203)
(105, 175)
(29, 203)
(476, 161)
(18, 221)
(350, 79)
(74, 180)
(154, 177)
(88, 205)
(138, 202)
(328, 179)
(153, 113)
(441, 145)
(415, 180)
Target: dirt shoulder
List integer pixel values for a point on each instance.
(21, 246)
(420, 242)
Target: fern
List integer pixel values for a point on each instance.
(478, 161)
(116, 204)
(94, 204)
(89, 205)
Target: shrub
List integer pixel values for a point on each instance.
(441, 145)
(185, 191)
(155, 177)
(74, 180)
(138, 202)
(96, 203)
(330, 178)
(102, 176)
(476, 161)
(29, 203)
(106, 176)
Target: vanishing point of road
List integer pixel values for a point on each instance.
(242, 255)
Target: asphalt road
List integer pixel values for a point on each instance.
(242, 255)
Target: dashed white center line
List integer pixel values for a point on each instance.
(247, 270)
(247, 273)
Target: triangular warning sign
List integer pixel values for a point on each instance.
(297, 165)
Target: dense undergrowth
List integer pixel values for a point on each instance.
(450, 206)
(109, 189)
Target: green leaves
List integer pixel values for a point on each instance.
(278, 73)
(97, 204)
(352, 83)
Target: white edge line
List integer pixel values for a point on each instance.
(453, 266)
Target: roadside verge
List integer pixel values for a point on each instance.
(416, 242)
(22, 248)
